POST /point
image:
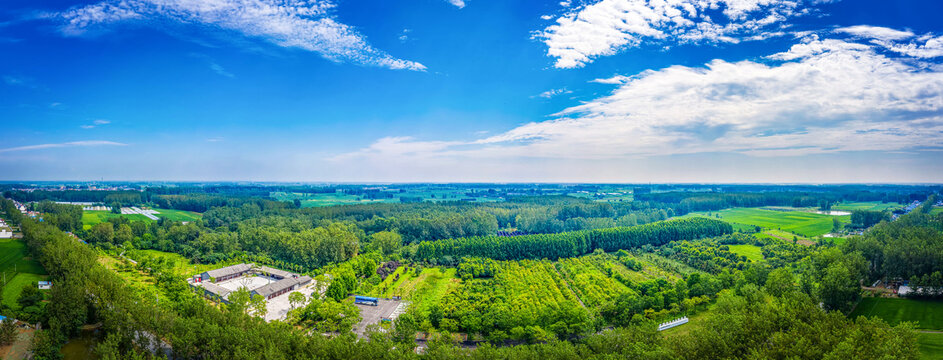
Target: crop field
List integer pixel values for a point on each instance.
(90, 218)
(870, 205)
(802, 223)
(752, 252)
(931, 346)
(936, 210)
(928, 314)
(589, 278)
(421, 290)
(527, 292)
(18, 270)
(179, 215)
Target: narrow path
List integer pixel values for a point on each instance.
(568, 286)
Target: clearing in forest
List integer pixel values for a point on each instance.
(420, 290)
(800, 222)
(752, 252)
(18, 270)
(931, 346)
(868, 205)
(928, 314)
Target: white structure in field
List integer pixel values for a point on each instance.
(673, 323)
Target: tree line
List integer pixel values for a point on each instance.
(570, 244)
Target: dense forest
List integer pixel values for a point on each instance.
(595, 289)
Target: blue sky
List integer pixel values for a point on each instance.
(449, 90)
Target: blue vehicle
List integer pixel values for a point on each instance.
(366, 300)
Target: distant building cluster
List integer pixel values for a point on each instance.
(6, 231)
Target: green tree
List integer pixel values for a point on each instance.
(123, 234)
(101, 233)
(258, 305)
(7, 332)
(839, 289)
(780, 282)
(296, 298)
(386, 241)
(239, 300)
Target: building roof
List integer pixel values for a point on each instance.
(216, 289)
(229, 270)
(281, 285)
(276, 272)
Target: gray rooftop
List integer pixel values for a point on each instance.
(229, 270)
(276, 272)
(281, 285)
(216, 289)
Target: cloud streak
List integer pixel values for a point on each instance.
(85, 143)
(307, 25)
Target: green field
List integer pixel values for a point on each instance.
(178, 215)
(752, 252)
(90, 218)
(936, 210)
(931, 345)
(928, 314)
(421, 290)
(800, 222)
(870, 205)
(18, 269)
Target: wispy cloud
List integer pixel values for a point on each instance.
(875, 32)
(458, 3)
(85, 143)
(308, 25)
(16, 80)
(553, 92)
(821, 96)
(217, 68)
(95, 124)
(607, 27)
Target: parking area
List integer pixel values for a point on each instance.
(279, 306)
(373, 314)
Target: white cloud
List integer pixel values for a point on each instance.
(458, 3)
(616, 79)
(821, 96)
(875, 32)
(307, 25)
(85, 143)
(554, 92)
(95, 124)
(609, 26)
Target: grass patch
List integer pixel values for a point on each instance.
(179, 215)
(803, 223)
(13, 288)
(752, 252)
(181, 265)
(928, 314)
(931, 345)
(867, 205)
(90, 218)
(18, 269)
(429, 288)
